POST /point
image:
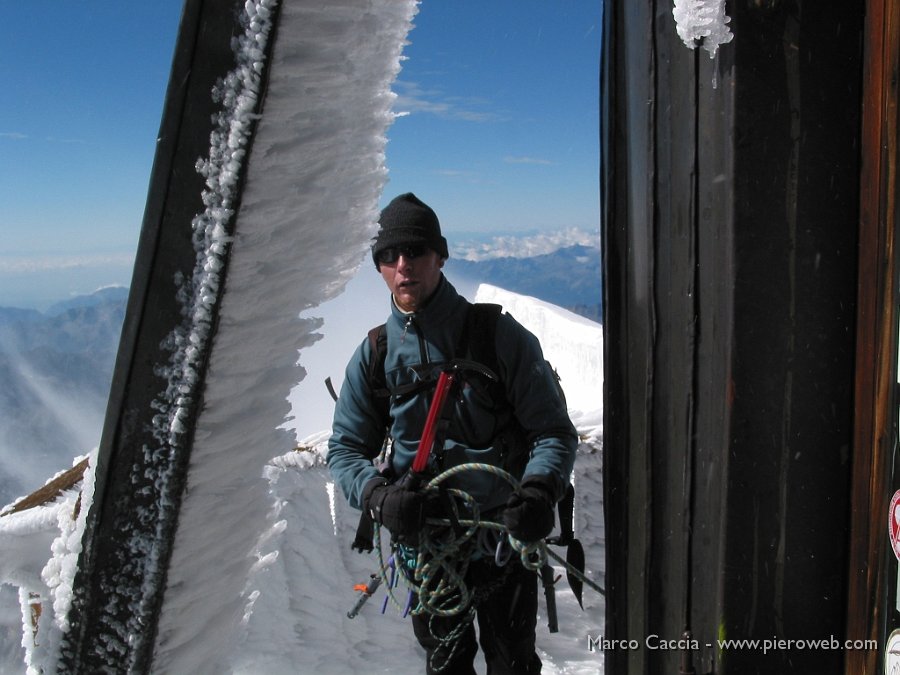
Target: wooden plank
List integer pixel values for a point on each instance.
(876, 336)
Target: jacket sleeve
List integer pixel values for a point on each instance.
(357, 430)
(531, 388)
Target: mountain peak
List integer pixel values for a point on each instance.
(101, 296)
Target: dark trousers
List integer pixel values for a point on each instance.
(506, 625)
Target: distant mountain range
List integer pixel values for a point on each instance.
(56, 368)
(569, 277)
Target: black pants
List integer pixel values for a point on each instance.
(506, 625)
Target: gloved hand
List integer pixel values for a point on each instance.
(394, 505)
(529, 512)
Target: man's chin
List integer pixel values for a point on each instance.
(406, 301)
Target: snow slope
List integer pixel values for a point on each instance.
(572, 344)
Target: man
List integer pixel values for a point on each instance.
(427, 324)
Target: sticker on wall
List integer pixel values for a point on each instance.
(892, 653)
(894, 523)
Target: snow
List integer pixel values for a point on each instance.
(39, 549)
(238, 93)
(572, 344)
(702, 20)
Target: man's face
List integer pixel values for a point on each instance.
(412, 275)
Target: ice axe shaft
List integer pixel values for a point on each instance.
(435, 412)
(549, 584)
(438, 416)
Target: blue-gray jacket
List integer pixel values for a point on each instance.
(430, 336)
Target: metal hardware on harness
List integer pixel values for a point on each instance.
(367, 591)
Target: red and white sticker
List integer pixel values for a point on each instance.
(894, 523)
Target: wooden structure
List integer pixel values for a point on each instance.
(751, 337)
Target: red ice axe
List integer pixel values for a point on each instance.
(444, 385)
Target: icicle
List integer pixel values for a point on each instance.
(715, 74)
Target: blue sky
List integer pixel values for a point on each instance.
(503, 131)
(501, 135)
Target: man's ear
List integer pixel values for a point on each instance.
(443, 260)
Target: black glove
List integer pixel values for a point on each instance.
(529, 512)
(396, 506)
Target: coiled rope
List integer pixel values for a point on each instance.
(444, 550)
(446, 546)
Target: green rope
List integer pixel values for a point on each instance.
(534, 554)
(444, 554)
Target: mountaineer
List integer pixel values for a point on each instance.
(505, 410)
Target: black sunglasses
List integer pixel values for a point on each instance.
(410, 251)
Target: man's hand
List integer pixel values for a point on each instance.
(529, 512)
(396, 506)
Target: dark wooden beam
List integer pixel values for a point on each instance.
(876, 331)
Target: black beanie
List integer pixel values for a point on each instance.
(408, 220)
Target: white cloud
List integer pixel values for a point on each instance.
(412, 99)
(527, 160)
(523, 245)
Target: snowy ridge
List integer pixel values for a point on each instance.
(307, 211)
(572, 344)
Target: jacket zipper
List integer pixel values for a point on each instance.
(411, 322)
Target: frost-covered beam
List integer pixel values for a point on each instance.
(158, 380)
(306, 217)
(285, 105)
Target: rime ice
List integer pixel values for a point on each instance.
(702, 20)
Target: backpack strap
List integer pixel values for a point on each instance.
(478, 340)
(363, 542)
(377, 379)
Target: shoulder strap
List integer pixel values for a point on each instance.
(478, 340)
(376, 376)
(478, 343)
